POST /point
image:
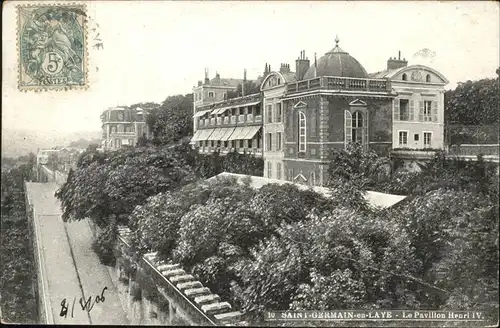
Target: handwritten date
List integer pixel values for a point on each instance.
(86, 305)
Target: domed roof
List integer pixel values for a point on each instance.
(336, 62)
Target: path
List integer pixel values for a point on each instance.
(71, 270)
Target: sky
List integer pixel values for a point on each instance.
(155, 49)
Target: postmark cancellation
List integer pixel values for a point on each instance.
(52, 46)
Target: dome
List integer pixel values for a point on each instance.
(336, 62)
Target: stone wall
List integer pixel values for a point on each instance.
(156, 293)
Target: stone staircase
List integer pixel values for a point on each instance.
(210, 304)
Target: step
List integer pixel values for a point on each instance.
(175, 272)
(168, 267)
(194, 292)
(228, 316)
(207, 299)
(189, 285)
(215, 307)
(182, 278)
(150, 256)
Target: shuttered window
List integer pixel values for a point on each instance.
(395, 109)
(434, 111)
(302, 132)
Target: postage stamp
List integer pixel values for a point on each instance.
(52, 46)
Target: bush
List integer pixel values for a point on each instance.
(103, 246)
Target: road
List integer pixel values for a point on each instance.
(70, 269)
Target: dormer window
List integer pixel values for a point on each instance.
(279, 81)
(210, 94)
(428, 78)
(404, 77)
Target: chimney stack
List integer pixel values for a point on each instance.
(207, 80)
(394, 63)
(301, 65)
(285, 68)
(243, 87)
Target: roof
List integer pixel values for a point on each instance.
(374, 198)
(393, 72)
(336, 62)
(225, 82)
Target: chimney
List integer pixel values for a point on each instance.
(207, 80)
(217, 77)
(301, 65)
(285, 68)
(244, 82)
(394, 63)
(200, 83)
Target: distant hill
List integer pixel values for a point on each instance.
(21, 142)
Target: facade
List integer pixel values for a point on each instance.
(122, 126)
(232, 125)
(328, 104)
(418, 110)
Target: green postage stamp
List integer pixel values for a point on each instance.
(52, 46)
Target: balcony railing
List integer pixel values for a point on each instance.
(212, 121)
(340, 83)
(123, 134)
(249, 117)
(258, 118)
(219, 120)
(226, 120)
(233, 119)
(241, 118)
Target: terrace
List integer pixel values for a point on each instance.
(340, 84)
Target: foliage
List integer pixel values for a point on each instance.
(17, 267)
(104, 244)
(473, 103)
(112, 184)
(207, 166)
(172, 120)
(364, 168)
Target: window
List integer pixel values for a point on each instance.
(427, 111)
(278, 141)
(278, 113)
(257, 110)
(357, 127)
(428, 78)
(269, 141)
(403, 110)
(249, 142)
(278, 171)
(224, 95)
(416, 137)
(427, 139)
(210, 94)
(269, 169)
(403, 138)
(279, 81)
(404, 78)
(242, 144)
(225, 144)
(211, 143)
(302, 132)
(269, 113)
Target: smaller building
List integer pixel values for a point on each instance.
(122, 126)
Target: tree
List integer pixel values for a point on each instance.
(251, 87)
(172, 120)
(363, 168)
(473, 103)
(111, 185)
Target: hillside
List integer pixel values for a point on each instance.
(21, 142)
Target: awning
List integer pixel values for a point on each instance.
(236, 133)
(196, 136)
(253, 131)
(219, 111)
(205, 134)
(217, 134)
(227, 134)
(201, 113)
